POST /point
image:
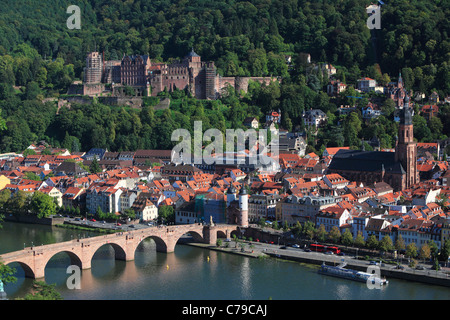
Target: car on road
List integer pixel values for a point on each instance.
(307, 250)
(374, 263)
(420, 268)
(93, 220)
(295, 246)
(283, 247)
(329, 252)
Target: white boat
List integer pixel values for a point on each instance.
(340, 272)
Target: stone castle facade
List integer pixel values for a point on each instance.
(148, 78)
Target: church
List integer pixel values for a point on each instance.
(398, 169)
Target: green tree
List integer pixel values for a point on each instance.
(19, 202)
(42, 205)
(166, 214)
(386, 244)
(129, 213)
(5, 196)
(400, 243)
(297, 229)
(347, 238)
(7, 274)
(388, 107)
(445, 250)
(372, 242)
(309, 230)
(32, 91)
(321, 233)
(43, 291)
(425, 252)
(334, 235)
(434, 250)
(411, 250)
(359, 240)
(94, 167)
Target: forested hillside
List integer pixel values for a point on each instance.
(40, 56)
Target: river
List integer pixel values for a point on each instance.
(192, 273)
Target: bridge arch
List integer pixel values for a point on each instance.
(29, 272)
(194, 234)
(161, 245)
(119, 253)
(73, 256)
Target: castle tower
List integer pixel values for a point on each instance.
(243, 207)
(94, 68)
(406, 149)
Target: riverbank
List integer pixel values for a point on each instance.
(389, 271)
(22, 218)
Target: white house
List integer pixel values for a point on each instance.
(367, 84)
(145, 209)
(237, 175)
(314, 117)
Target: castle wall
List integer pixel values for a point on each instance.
(223, 82)
(93, 89)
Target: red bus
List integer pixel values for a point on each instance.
(321, 248)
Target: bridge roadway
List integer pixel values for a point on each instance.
(34, 259)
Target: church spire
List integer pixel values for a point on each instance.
(406, 113)
(400, 80)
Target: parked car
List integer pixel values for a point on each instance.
(420, 268)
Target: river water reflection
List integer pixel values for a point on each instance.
(192, 273)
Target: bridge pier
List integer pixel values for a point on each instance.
(210, 234)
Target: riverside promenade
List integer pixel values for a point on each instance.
(261, 250)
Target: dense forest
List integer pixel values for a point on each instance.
(40, 57)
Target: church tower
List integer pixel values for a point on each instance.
(406, 149)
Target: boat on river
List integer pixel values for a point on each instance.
(341, 272)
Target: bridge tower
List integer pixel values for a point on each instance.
(243, 207)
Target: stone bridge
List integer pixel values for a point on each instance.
(34, 259)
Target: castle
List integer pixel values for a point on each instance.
(148, 78)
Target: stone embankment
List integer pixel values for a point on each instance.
(258, 250)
